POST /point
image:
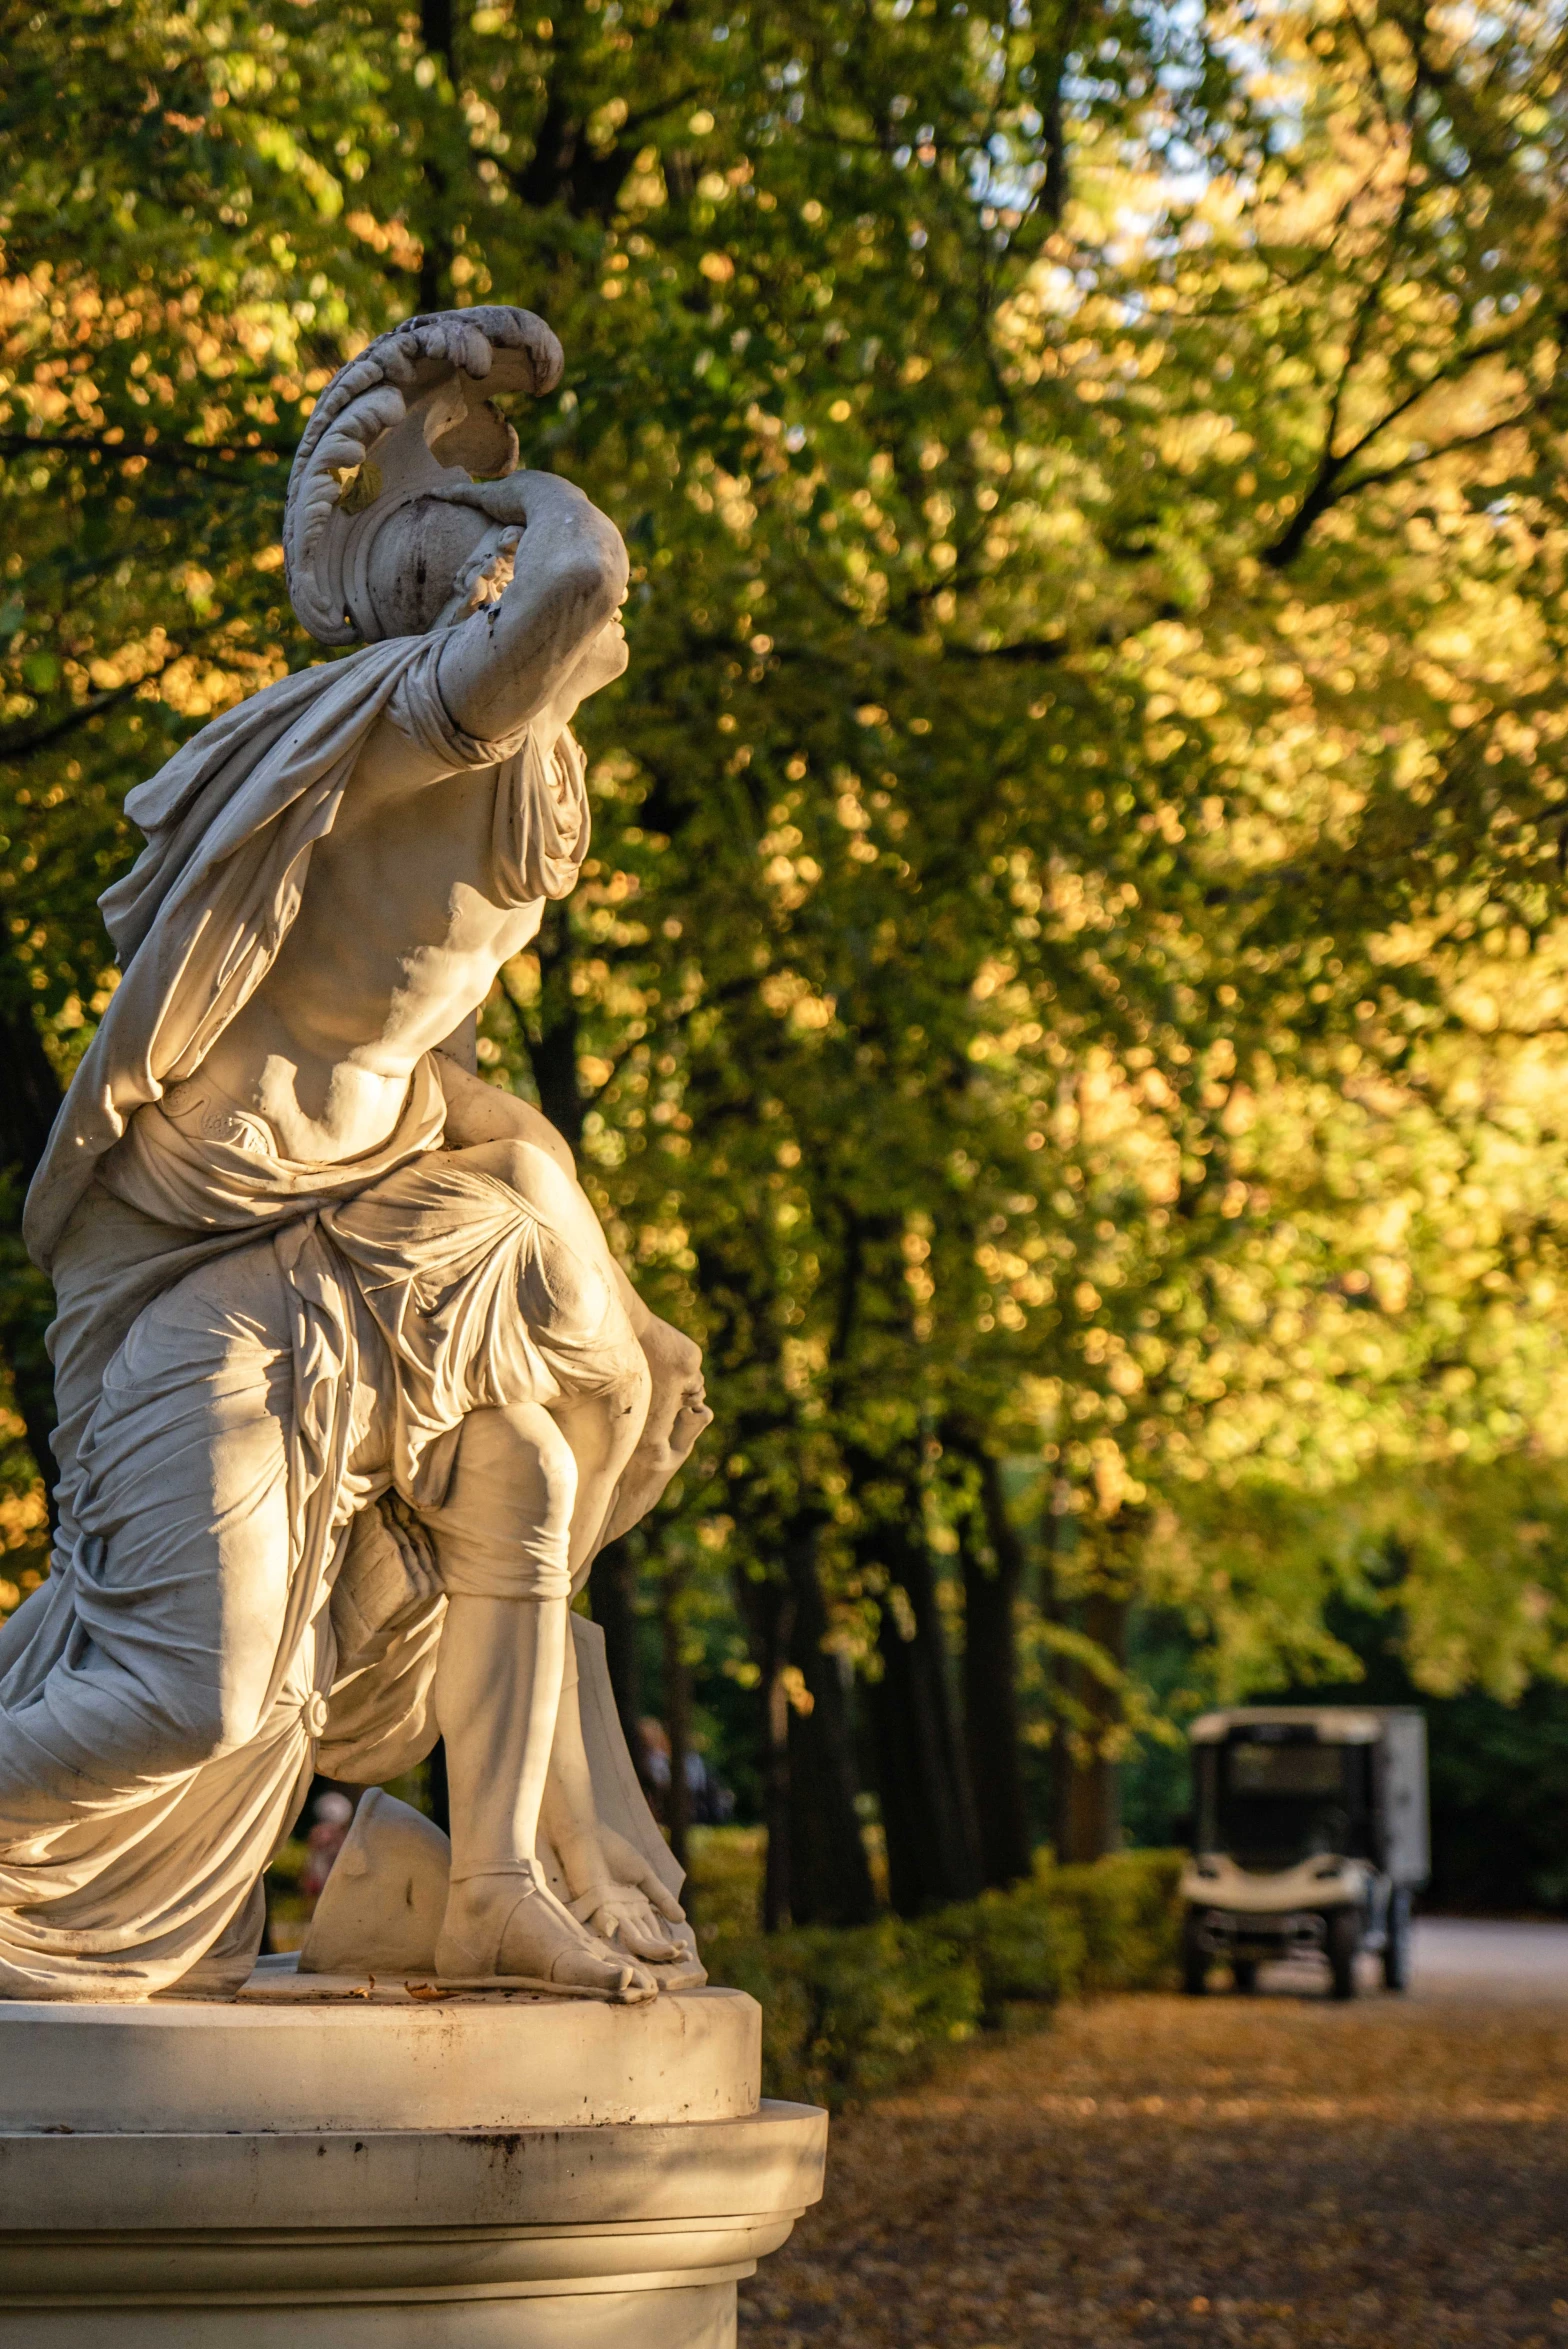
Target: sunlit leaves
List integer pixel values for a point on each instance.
(1094, 490)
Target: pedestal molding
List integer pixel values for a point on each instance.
(483, 2062)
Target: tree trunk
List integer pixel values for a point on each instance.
(1090, 1797)
(1055, 1535)
(29, 1103)
(991, 1588)
(1053, 71)
(767, 1608)
(438, 30)
(554, 1055)
(29, 1092)
(829, 1877)
(926, 1812)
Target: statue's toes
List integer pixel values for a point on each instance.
(544, 1940)
(629, 1983)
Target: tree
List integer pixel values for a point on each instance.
(1095, 488)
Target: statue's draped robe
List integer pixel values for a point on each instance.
(399, 1279)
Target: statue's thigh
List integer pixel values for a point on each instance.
(185, 1564)
(564, 1284)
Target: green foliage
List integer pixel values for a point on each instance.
(725, 1876)
(1499, 1769)
(851, 2014)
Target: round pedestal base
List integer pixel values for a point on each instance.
(698, 2316)
(611, 2234)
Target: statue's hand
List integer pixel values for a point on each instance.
(633, 1907)
(636, 1911)
(677, 1416)
(547, 637)
(660, 1456)
(691, 1417)
(572, 524)
(626, 1863)
(523, 498)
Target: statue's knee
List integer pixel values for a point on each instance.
(511, 1163)
(565, 1295)
(526, 1169)
(543, 1464)
(516, 1458)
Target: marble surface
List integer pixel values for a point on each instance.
(330, 2054)
(351, 1389)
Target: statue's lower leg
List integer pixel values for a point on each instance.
(503, 1539)
(497, 1689)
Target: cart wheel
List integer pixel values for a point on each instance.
(1244, 1973)
(1344, 1939)
(1194, 1960)
(1396, 1948)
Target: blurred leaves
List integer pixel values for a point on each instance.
(1072, 943)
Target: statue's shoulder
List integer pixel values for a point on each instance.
(240, 737)
(218, 795)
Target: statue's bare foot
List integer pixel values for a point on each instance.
(509, 1925)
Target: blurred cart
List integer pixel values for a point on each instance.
(1309, 1835)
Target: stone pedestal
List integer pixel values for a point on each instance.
(363, 2167)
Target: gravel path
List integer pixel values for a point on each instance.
(1274, 2172)
(1502, 1964)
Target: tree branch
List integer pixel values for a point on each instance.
(1042, 648)
(185, 456)
(1289, 545)
(14, 746)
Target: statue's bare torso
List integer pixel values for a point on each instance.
(398, 938)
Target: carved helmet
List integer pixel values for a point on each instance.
(395, 429)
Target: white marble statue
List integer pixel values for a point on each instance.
(350, 1386)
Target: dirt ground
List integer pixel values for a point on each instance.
(1276, 2172)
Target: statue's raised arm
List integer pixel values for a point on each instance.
(395, 441)
(553, 571)
(350, 1387)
